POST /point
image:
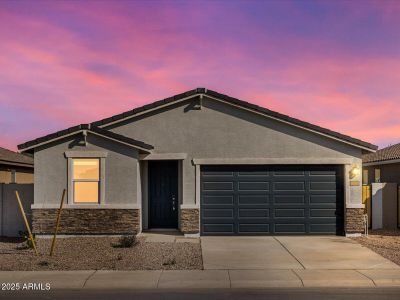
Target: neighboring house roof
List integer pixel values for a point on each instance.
(89, 129)
(8, 157)
(388, 154)
(216, 96)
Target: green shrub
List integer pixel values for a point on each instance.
(27, 244)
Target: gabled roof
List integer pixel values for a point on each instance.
(387, 154)
(8, 157)
(89, 129)
(237, 102)
(200, 92)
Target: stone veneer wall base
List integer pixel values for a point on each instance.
(190, 222)
(87, 221)
(354, 220)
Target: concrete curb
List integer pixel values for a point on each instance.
(206, 279)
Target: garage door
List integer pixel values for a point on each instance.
(263, 200)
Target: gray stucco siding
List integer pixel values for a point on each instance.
(121, 171)
(219, 130)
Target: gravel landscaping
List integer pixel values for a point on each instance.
(102, 253)
(383, 242)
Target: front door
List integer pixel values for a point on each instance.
(163, 194)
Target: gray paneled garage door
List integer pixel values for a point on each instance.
(262, 200)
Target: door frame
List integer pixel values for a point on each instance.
(148, 193)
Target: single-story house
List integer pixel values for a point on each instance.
(382, 166)
(15, 167)
(201, 162)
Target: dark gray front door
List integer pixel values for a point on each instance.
(263, 200)
(163, 194)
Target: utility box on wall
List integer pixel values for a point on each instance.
(384, 205)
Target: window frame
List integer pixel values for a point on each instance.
(101, 156)
(86, 180)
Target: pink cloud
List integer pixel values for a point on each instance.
(73, 64)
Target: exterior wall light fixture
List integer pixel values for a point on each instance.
(355, 170)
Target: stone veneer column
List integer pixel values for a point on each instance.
(354, 220)
(190, 223)
(87, 221)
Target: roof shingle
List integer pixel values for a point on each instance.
(385, 154)
(8, 156)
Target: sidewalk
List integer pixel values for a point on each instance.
(205, 279)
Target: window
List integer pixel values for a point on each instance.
(377, 175)
(86, 180)
(13, 176)
(365, 177)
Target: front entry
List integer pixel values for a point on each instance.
(163, 194)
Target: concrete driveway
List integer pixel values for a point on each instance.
(286, 253)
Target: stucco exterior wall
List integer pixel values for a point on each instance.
(121, 171)
(221, 131)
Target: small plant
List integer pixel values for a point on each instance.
(169, 262)
(27, 244)
(126, 241)
(43, 263)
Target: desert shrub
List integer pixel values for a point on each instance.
(126, 241)
(27, 243)
(169, 262)
(43, 263)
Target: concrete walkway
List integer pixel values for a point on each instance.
(242, 262)
(205, 279)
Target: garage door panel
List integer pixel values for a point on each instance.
(322, 228)
(254, 228)
(323, 186)
(221, 186)
(253, 186)
(218, 213)
(289, 228)
(262, 200)
(289, 213)
(324, 173)
(218, 228)
(288, 173)
(218, 200)
(253, 174)
(319, 199)
(322, 213)
(289, 199)
(253, 199)
(289, 186)
(253, 213)
(322, 178)
(217, 173)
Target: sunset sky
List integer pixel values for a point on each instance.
(332, 63)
